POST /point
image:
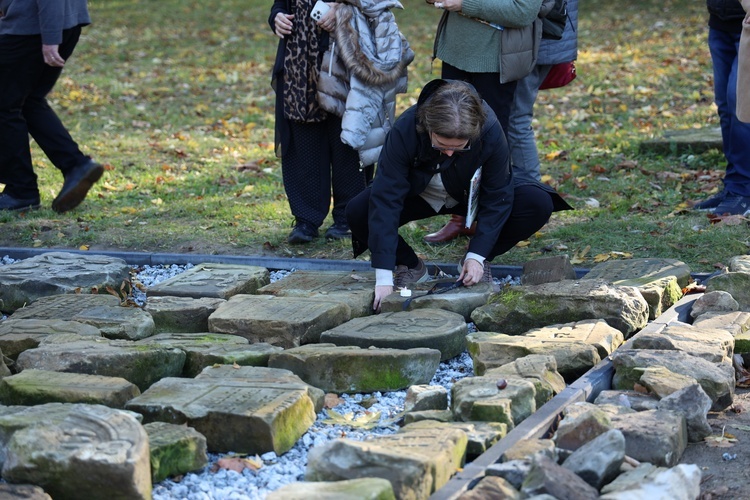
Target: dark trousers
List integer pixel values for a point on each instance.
(25, 81)
(532, 208)
(315, 164)
(735, 134)
(499, 96)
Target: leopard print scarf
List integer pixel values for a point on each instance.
(302, 62)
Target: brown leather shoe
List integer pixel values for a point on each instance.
(452, 230)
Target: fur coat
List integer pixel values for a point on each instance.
(362, 71)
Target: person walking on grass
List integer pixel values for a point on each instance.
(36, 40)
(314, 160)
(724, 30)
(447, 154)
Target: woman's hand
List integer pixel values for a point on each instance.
(328, 21)
(283, 24)
(471, 272)
(451, 5)
(381, 292)
(52, 56)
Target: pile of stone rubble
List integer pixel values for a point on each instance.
(101, 397)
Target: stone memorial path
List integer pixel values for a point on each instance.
(221, 360)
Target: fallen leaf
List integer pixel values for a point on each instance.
(602, 257)
(723, 441)
(367, 420)
(640, 388)
(331, 400)
(238, 464)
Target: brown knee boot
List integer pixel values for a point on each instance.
(453, 229)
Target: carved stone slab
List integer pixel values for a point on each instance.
(281, 321)
(64, 307)
(716, 346)
(56, 273)
(77, 451)
(140, 364)
(481, 435)
(351, 369)
(262, 375)
(483, 399)
(354, 289)
(592, 331)
(417, 463)
(539, 370)
(175, 449)
(116, 322)
(660, 281)
(213, 280)
(461, 300)
(491, 350)
(431, 328)
(207, 349)
(181, 314)
(17, 335)
(33, 387)
(516, 310)
(547, 270)
(234, 414)
(367, 487)
(717, 379)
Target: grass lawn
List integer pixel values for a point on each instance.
(174, 98)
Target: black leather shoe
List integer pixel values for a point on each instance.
(76, 186)
(303, 232)
(7, 202)
(338, 231)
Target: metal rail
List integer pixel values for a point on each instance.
(276, 263)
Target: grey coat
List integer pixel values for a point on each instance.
(42, 17)
(565, 49)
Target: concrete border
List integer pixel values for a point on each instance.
(274, 263)
(542, 422)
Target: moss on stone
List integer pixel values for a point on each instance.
(292, 424)
(177, 458)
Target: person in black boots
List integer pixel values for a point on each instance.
(314, 161)
(447, 154)
(36, 39)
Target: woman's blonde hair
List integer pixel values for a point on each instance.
(454, 110)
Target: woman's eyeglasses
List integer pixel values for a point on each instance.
(443, 149)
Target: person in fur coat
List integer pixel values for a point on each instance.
(363, 70)
(314, 161)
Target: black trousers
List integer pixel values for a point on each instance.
(532, 208)
(499, 96)
(316, 163)
(25, 81)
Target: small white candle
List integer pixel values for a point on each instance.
(405, 292)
